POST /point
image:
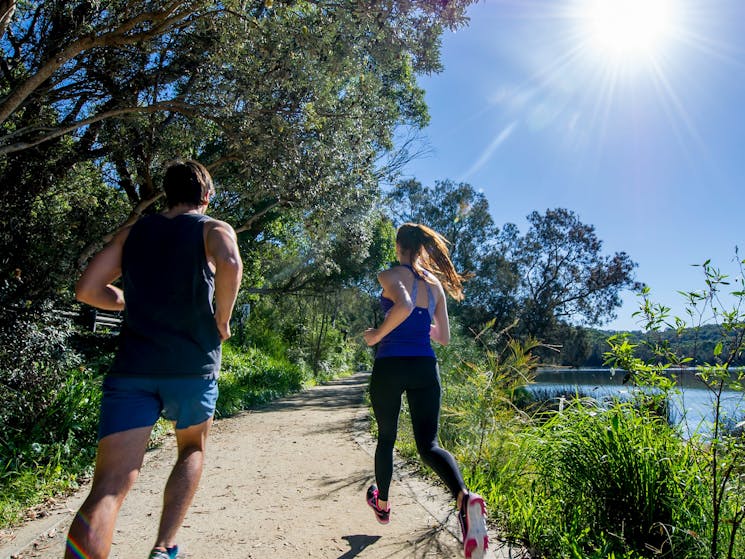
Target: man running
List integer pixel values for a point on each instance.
(180, 273)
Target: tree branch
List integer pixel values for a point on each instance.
(7, 9)
(247, 225)
(174, 106)
(161, 21)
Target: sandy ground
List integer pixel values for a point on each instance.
(286, 480)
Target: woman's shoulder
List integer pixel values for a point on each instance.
(430, 277)
(395, 270)
(394, 273)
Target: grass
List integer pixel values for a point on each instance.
(250, 377)
(622, 479)
(587, 480)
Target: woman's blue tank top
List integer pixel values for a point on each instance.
(169, 325)
(411, 337)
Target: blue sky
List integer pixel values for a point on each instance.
(648, 146)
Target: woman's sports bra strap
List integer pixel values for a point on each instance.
(413, 271)
(415, 290)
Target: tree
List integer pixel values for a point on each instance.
(289, 103)
(455, 210)
(461, 214)
(563, 275)
(491, 294)
(552, 276)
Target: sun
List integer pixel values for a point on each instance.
(628, 30)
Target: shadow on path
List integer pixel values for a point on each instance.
(358, 481)
(342, 393)
(421, 544)
(357, 543)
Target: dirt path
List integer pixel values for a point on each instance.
(287, 480)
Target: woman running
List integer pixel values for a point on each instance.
(413, 300)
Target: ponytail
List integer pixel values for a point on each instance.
(429, 247)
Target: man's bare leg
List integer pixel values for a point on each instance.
(118, 463)
(183, 481)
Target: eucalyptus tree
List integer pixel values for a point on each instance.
(290, 103)
(461, 214)
(564, 276)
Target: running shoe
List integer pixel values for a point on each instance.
(382, 516)
(169, 553)
(472, 517)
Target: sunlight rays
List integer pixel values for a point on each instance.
(676, 112)
(594, 68)
(487, 154)
(616, 51)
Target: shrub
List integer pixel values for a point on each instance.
(619, 480)
(249, 377)
(722, 450)
(49, 457)
(34, 357)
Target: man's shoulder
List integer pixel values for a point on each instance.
(211, 223)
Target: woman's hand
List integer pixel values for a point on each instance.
(371, 336)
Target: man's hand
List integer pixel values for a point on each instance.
(224, 329)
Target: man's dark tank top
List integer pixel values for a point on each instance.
(169, 326)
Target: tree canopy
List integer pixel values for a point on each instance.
(291, 104)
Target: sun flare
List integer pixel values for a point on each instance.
(628, 29)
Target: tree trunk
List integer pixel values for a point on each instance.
(7, 10)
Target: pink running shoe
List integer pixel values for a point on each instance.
(472, 517)
(382, 516)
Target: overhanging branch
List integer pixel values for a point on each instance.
(172, 106)
(161, 20)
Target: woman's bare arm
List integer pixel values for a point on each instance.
(395, 290)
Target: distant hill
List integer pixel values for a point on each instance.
(698, 343)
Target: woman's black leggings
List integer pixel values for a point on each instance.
(420, 379)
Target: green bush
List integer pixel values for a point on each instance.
(34, 359)
(716, 313)
(60, 447)
(615, 480)
(249, 377)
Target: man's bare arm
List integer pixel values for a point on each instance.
(95, 285)
(222, 249)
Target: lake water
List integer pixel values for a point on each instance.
(692, 407)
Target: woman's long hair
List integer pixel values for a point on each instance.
(429, 251)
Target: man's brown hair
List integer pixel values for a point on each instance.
(186, 182)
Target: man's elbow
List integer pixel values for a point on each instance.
(82, 292)
(235, 264)
(230, 266)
